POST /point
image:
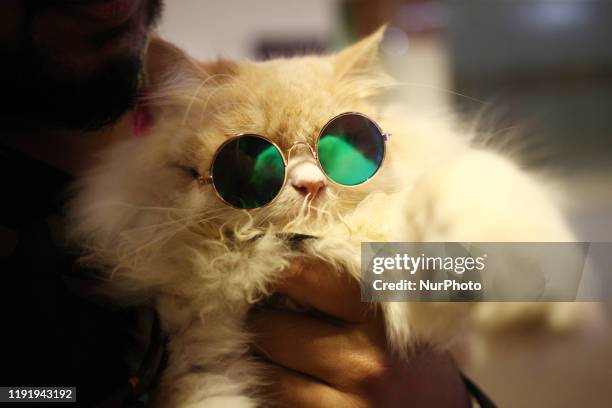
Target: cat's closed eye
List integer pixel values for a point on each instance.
(189, 170)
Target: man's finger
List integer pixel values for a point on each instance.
(290, 389)
(340, 356)
(318, 285)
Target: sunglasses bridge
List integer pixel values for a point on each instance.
(296, 144)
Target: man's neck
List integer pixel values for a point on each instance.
(69, 151)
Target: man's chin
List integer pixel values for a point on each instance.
(88, 103)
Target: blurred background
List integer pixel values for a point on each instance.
(541, 69)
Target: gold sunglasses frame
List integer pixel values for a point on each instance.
(204, 180)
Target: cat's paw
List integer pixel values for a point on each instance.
(556, 318)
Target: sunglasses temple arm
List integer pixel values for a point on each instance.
(205, 180)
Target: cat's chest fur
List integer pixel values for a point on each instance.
(229, 277)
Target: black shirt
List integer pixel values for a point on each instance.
(55, 331)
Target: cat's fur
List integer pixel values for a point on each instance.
(165, 240)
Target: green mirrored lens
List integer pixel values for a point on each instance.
(248, 172)
(351, 149)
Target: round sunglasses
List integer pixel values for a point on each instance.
(249, 171)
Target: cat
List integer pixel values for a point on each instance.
(161, 238)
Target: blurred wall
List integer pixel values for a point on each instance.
(234, 28)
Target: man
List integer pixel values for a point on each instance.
(73, 66)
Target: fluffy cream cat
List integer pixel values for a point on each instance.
(164, 239)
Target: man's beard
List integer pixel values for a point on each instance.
(34, 100)
(36, 94)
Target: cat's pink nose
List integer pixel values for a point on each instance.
(309, 187)
(306, 177)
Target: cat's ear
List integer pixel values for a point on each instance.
(221, 68)
(164, 63)
(163, 59)
(168, 71)
(360, 58)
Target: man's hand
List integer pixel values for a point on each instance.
(341, 358)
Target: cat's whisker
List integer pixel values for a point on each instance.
(139, 207)
(196, 94)
(428, 86)
(168, 228)
(168, 97)
(159, 239)
(161, 224)
(168, 225)
(207, 100)
(228, 85)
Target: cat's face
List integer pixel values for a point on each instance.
(196, 107)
